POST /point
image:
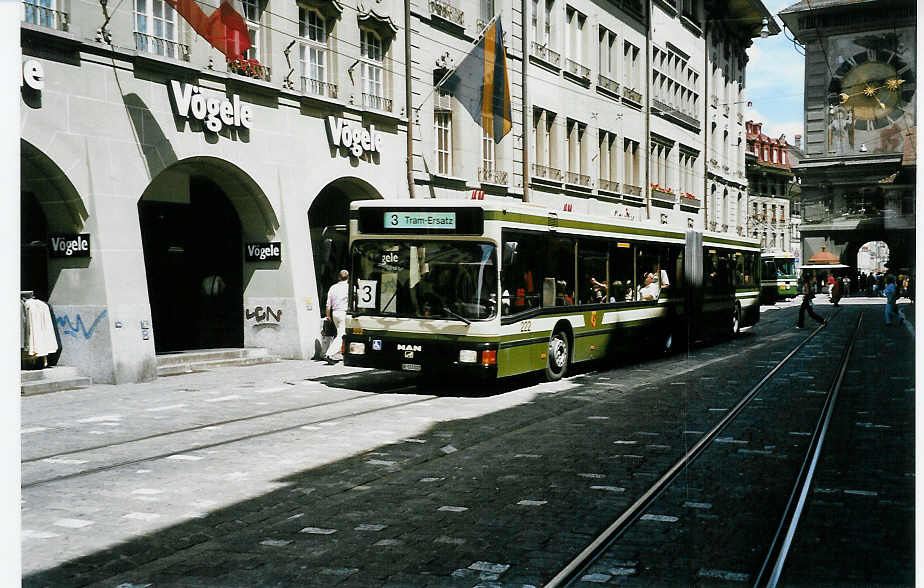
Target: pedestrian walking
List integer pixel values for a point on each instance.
(891, 294)
(847, 282)
(336, 311)
(807, 295)
(836, 290)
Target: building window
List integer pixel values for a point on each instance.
(487, 153)
(312, 53)
(687, 172)
(630, 68)
(608, 161)
(660, 158)
(252, 12)
(372, 60)
(632, 173)
(575, 29)
(576, 132)
(486, 13)
(155, 28)
(542, 25)
(545, 137)
(442, 131)
(608, 54)
(44, 13)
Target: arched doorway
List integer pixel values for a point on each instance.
(195, 217)
(873, 257)
(328, 220)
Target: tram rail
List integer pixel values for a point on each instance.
(575, 569)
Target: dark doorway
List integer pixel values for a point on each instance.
(327, 220)
(33, 252)
(193, 261)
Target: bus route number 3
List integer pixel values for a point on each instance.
(365, 294)
(526, 326)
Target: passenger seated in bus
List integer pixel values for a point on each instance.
(650, 290)
(620, 292)
(595, 293)
(562, 297)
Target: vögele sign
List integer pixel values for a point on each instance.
(352, 136)
(70, 245)
(213, 111)
(263, 251)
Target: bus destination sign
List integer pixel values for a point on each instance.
(420, 220)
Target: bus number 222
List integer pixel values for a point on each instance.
(526, 326)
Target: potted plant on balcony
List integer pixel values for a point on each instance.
(688, 199)
(662, 193)
(246, 67)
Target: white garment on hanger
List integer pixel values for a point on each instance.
(40, 339)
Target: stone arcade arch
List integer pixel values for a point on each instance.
(195, 217)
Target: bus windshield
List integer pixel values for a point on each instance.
(786, 268)
(424, 279)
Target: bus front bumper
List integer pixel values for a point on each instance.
(475, 360)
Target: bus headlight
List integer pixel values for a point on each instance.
(357, 348)
(468, 356)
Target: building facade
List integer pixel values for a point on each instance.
(857, 177)
(213, 195)
(202, 188)
(770, 181)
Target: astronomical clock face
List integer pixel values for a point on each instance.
(870, 92)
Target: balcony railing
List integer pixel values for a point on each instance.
(251, 69)
(158, 46)
(318, 88)
(576, 69)
(545, 54)
(608, 185)
(692, 201)
(608, 84)
(545, 172)
(578, 179)
(44, 16)
(630, 94)
(492, 176)
(631, 190)
(377, 102)
(447, 11)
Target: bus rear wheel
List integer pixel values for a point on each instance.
(559, 356)
(736, 321)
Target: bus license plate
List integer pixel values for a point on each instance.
(410, 367)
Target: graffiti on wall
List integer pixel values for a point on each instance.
(77, 328)
(263, 316)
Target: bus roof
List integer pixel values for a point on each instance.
(520, 211)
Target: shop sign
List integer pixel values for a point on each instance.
(70, 245)
(263, 251)
(212, 111)
(33, 74)
(354, 137)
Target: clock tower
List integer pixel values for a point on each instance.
(858, 173)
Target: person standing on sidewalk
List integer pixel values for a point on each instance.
(807, 295)
(336, 311)
(891, 294)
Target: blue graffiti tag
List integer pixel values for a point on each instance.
(73, 330)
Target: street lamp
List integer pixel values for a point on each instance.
(764, 28)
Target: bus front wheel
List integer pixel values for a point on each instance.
(559, 356)
(736, 321)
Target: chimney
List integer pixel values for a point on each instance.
(798, 142)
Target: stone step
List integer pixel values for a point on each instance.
(51, 380)
(201, 366)
(185, 357)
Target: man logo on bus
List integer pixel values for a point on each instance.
(403, 347)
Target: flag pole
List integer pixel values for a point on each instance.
(524, 99)
(408, 98)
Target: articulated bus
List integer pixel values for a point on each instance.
(778, 278)
(496, 289)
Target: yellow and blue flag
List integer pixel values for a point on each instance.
(481, 86)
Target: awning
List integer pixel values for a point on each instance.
(824, 266)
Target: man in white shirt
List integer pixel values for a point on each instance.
(336, 311)
(650, 290)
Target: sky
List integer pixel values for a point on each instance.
(775, 81)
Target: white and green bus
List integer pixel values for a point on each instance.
(497, 288)
(778, 279)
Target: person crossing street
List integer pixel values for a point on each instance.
(336, 311)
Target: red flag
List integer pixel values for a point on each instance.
(224, 29)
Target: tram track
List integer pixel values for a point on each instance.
(212, 445)
(575, 569)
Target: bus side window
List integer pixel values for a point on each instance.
(521, 275)
(622, 272)
(560, 266)
(593, 286)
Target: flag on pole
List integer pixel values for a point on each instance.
(481, 86)
(224, 29)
